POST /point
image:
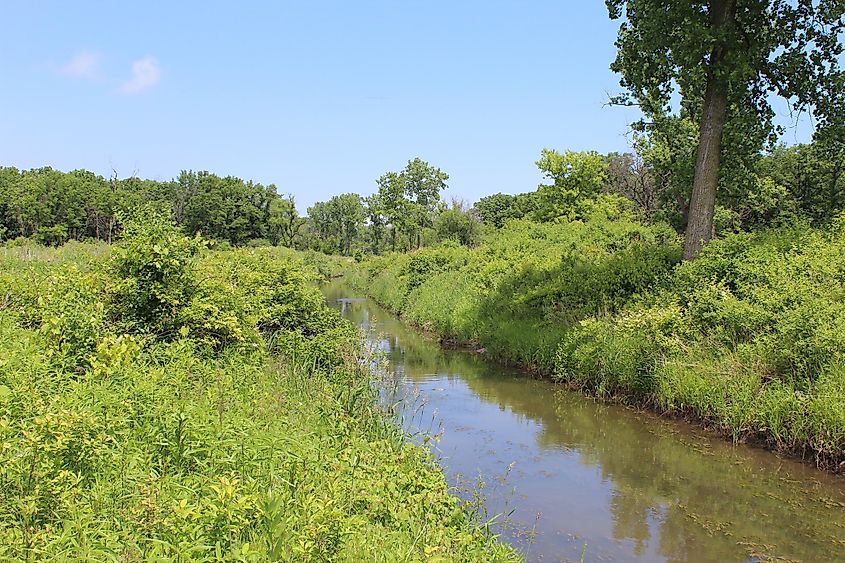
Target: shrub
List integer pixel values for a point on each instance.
(154, 278)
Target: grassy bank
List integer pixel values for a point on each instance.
(749, 338)
(162, 401)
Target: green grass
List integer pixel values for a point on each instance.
(234, 424)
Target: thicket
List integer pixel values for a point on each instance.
(162, 401)
(749, 337)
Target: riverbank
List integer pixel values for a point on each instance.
(158, 400)
(567, 471)
(748, 339)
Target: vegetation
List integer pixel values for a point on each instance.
(52, 207)
(162, 401)
(725, 59)
(747, 338)
(173, 386)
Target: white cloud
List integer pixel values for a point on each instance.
(83, 65)
(145, 74)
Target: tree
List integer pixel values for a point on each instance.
(725, 58)
(376, 220)
(628, 175)
(223, 208)
(409, 199)
(812, 177)
(283, 222)
(349, 217)
(668, 148)
(423, 184)
(575, 176)
(323, 227)
(338, 222)
(391, 195)
(496, 209)
(458, 223)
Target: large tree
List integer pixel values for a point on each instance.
(726, 58)
(392, 203)
(423, 184)
(409, 199)
(283, 221)
(338, 222)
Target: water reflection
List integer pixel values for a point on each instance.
(625, 484)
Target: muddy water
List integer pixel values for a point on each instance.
(573, 477)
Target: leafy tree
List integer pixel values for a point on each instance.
(458, 222)
(575, 176)
(338, 222)
(496, 209)
(391, 196)
(321, 224)
(668, 149)
(725, 58)
(283, 222)
(423, 184)
(349, 216)
(224, 208)
(811, 177)
(409, 199)
(377, 221)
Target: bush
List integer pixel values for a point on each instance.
(153, 271)
(765, 315)
(517, 294)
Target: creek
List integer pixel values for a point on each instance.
(572, 477)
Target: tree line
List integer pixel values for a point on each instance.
(52, 207)
(653, 182)
(406, 210)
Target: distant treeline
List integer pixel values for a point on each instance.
(52, 206)
(406, 210)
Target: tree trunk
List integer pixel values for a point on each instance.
(713, 115)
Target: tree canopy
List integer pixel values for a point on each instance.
(725, 59)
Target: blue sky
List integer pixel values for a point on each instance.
(319, 98)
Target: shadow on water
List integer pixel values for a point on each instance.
(627, 485)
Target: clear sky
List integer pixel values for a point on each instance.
(319, 98)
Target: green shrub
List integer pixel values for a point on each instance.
(154, 279)
(769, 310)
(620, 355)
(72, 316)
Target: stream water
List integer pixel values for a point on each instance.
(571, 477)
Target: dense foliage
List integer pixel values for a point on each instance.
(725, 61)
(406, 211)
(654, 182)
(162, 401)
(748, 337)
(52, 206)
